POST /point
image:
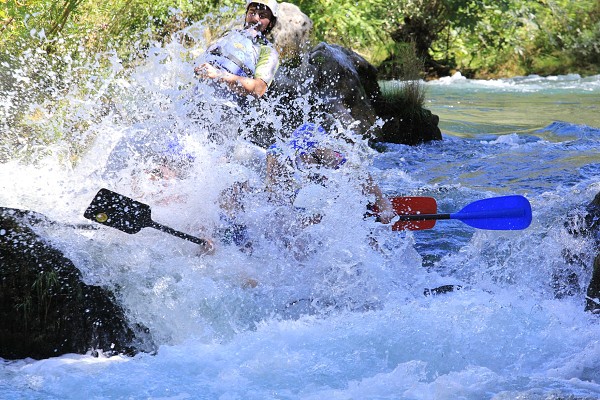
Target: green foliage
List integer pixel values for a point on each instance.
(13, 18)
(490, 37)
(97, 24)
(471, 35)
(518, 36)
(44, 288)
(570, 31)
(353, 24)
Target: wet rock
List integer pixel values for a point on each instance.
(592, 224)
(592, 218)
(589, 227)
(347, 83)
(593, 291)
(441, 290)
(408, 127)
(344, 86)
(45, 308)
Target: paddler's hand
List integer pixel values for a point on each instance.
(386, 211)
(207, 248)
(383, 205)
(207, 70)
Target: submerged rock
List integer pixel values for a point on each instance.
(45, 308)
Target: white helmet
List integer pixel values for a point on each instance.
(272, 4)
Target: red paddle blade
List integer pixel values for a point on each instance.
(414, 206)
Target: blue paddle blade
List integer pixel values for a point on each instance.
(497, 213)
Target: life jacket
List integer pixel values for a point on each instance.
(236, 53)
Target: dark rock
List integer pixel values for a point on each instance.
(593, 290)
(343, 86)
(588, 227)
(347, 83)
(339, 85)
(410, 128)
(592, 225)
(592, 218)
(45, 308)
(441, 290)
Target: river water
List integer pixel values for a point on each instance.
(333, 316)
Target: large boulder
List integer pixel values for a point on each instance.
(407, 125)
(45, 308)
(344, 86)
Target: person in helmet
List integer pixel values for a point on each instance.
(244, 60)
(295, 163)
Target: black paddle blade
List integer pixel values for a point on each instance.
(120, 212)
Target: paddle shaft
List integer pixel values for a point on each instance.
(463, 215)
(423, 217)
(177, 233)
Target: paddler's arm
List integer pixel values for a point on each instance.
(241, 85)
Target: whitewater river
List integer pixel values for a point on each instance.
(333, 315)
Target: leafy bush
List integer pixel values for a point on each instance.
(471, 35)
(493, 37)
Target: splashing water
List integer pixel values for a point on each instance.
(332, 315)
